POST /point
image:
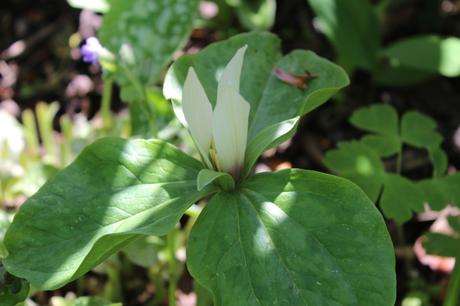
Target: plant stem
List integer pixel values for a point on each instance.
(172, 267)
(105, 104)
(453, 293)
(399, 162)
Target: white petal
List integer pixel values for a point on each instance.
(230, 130)
(232, 72)
(198, 113)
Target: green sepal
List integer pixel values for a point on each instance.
(207, 177)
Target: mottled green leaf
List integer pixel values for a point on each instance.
(352, 27)
(114, 191)
(430, 53)
(357, 162)
(154, 30)
(400, 198)
(272, 101)
(291, 238)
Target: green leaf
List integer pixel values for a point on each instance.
(154, 30)
(434, 193)
(381, 119)
(4, 223)
(268, 138)
(454, 223)
(257, 15)
(272, 101)
(378, 118)
(440, 191)
(99, 6)
(291, 238)
(430, 53)
(384, 146)
(419, 130)
(352, 27)
(144, 251)
(203, 296)
(400, 198)
(392, 74)
(357, 162)
(114, 191)
(13, 290)
(439, 160)
(207, 177)
(441, 244)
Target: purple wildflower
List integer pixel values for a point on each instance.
(91, 50)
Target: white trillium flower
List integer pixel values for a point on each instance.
(220, 134)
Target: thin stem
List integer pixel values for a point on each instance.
(453, 292)
(105, 104)
(172, 267)
(399, 162)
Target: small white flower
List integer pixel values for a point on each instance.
(220, 134)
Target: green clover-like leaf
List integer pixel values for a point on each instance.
(357, 162)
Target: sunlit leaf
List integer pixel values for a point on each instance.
(357, 162)
(432, 54)
(257, 15)
(266, 94)
(114, 191)
(290, 238)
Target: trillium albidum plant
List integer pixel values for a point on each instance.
(293, 237)
(220, 135)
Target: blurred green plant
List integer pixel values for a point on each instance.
(362, 161)
(353, 28)
(13, 290)
(139, 38)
